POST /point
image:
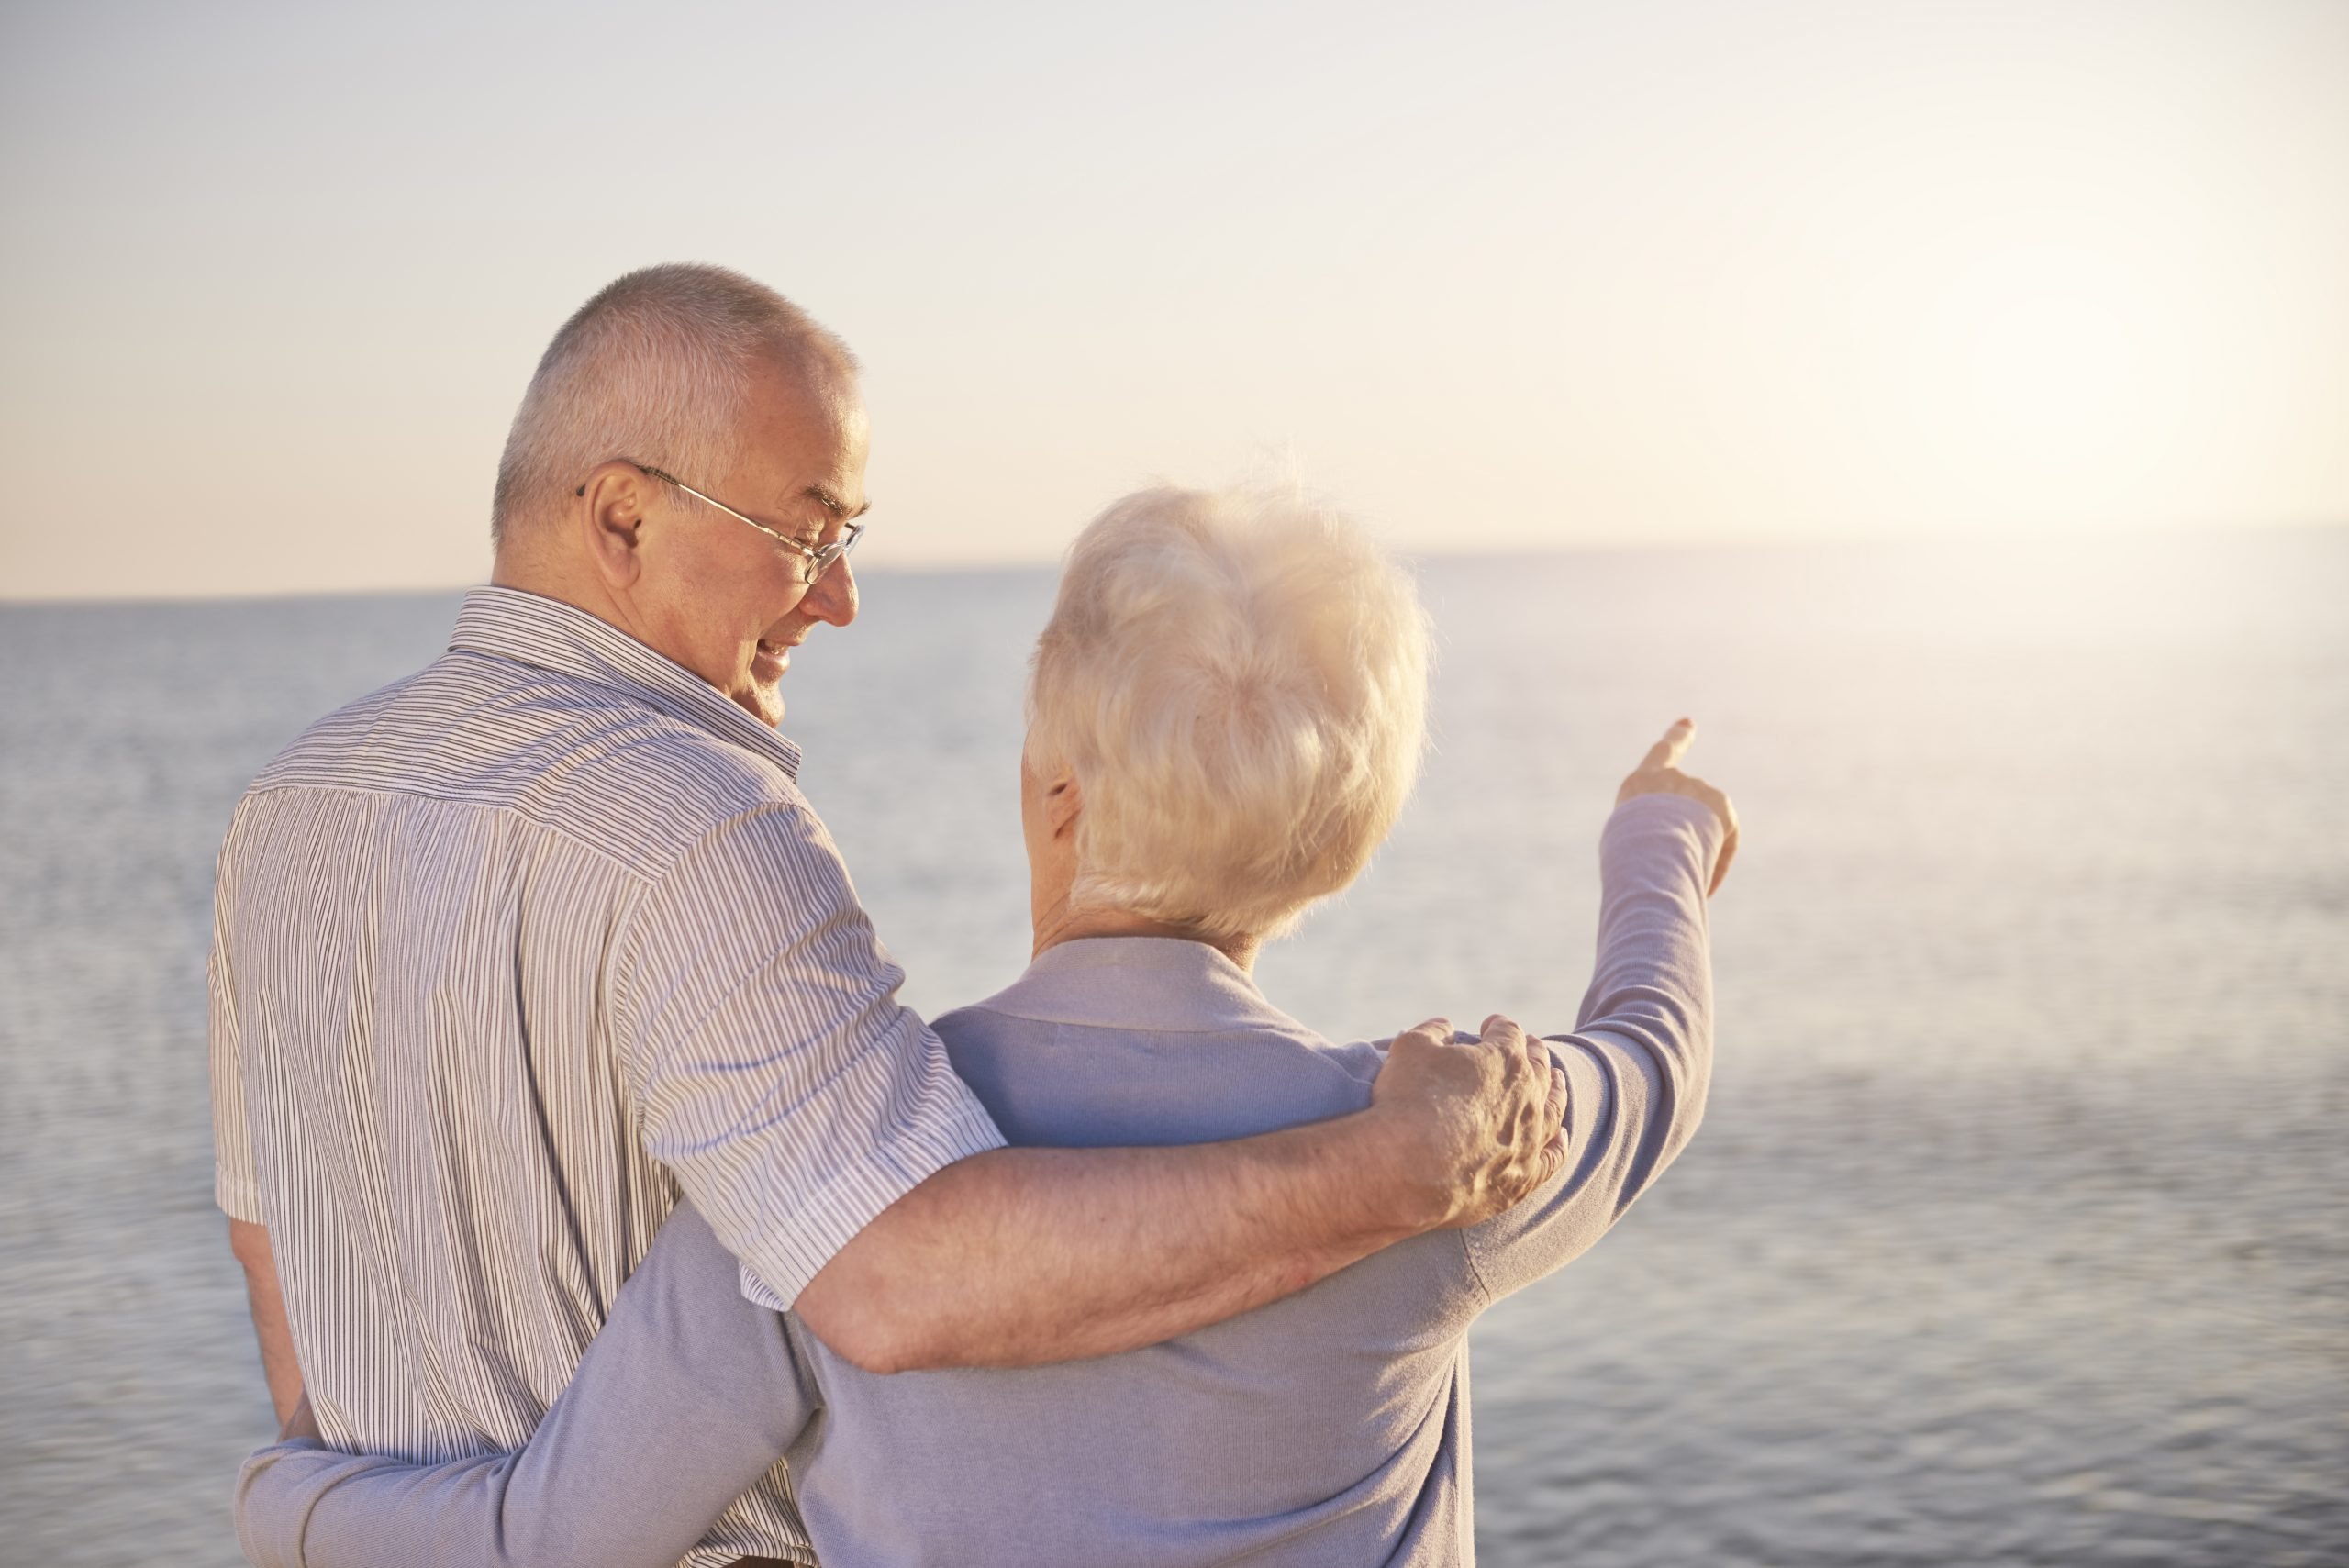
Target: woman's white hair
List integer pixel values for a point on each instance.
(1238, 681)
(656, 368)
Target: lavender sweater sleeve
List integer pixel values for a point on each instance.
(1640, 1055)
(688, 1378)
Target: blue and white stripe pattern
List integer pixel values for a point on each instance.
(506, 957)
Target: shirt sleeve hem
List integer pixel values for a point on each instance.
(777, 1268)
(238, 1196)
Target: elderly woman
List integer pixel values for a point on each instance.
(1225, 718)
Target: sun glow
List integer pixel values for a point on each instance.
(2048, 345)
(1505, 276)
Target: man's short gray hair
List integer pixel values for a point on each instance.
(655, 368)
(1238, 681)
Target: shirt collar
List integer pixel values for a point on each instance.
(507, 623)
(1166, 984)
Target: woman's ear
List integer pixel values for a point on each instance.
(1063, 803)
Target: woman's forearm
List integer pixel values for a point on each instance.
(688, 1396)
(1653, 983)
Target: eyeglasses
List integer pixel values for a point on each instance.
(819, 557)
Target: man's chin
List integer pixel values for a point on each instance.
(762, 700)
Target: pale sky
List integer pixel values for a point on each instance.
(272, 277)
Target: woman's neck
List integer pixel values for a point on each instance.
(1063, 923)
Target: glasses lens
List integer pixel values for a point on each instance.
(821, 561)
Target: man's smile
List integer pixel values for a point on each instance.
(772, 658)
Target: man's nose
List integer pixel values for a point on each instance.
(832, 597)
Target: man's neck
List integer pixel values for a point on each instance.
(520, 572)
(585, 592)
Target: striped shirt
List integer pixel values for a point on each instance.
(506, 958)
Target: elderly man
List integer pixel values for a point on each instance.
(514, 954)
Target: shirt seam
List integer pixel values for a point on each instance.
(1601, 1137)
(629, 914)
(553, 828)
(1476, 1270)
(1486, 1295)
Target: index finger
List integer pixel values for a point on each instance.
(1668, 751)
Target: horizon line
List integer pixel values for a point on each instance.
(1497, 550)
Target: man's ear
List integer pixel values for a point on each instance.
(1063, 803)
(609, 510)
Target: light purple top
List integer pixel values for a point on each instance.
(1330, 1428)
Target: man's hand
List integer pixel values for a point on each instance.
(1659, 773)
(1487, 1121)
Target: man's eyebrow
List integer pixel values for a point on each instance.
(833, 503)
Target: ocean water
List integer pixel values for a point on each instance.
(2015, 1231)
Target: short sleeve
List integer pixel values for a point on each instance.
(770, 1065)
(234, 1187)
